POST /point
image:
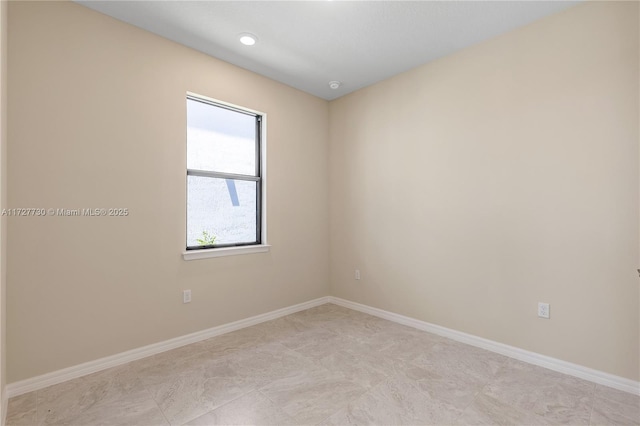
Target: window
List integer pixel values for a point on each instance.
(224, 179)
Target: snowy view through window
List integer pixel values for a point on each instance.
(222, 141)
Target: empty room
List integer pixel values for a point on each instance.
(319, 212)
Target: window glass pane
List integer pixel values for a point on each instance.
(220, 140)
(221, 208)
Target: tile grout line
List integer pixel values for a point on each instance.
(317, 361)
(475, 396)
(220, 406)
(274, 403)
(613, 400)
(593, 401)
(354, 400)
(202, 352)
(146, 388)
(596, 397)
(154, 401)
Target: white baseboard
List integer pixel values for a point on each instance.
(554, 364)
(59, 376)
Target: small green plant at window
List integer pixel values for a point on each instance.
(207, 239)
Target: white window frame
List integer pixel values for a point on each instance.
(247, 249)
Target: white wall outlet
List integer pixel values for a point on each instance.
(186, 296)
(357, 274)
(543, 310)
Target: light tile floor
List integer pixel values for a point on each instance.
(331, 366)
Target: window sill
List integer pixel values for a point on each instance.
(226, 251)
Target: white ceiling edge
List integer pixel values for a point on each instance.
(307, 44)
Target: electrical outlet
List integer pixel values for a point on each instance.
(543, 310)
(357, 274)
(186, 296)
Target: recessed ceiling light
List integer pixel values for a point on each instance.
(334, 84)
(248, 39)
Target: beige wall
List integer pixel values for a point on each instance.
(465, 191)
(97, 119)
(471, 188)
(3, 203)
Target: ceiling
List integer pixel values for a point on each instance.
(307, 44)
